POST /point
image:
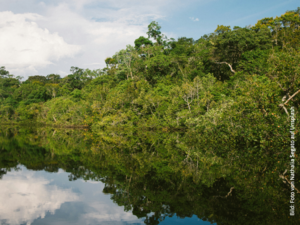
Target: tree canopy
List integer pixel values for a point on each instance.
(237, 72)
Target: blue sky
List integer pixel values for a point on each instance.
(42, 37)
(222, 12)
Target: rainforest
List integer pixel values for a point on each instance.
(186, 127)
(231, 80)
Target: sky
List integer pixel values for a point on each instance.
(43, 37)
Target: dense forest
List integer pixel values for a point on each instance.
(233, 80)
(226, 97)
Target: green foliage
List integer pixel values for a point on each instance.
(142, 42)
(159, 174)
(231, 45)
(31, 93)
(221, 29)
(154, 31)
(63, 111)
(254, 62)
(53, 78)
(284, 69)
(4, 73)
(37, 79)
(284, 29)
(235, 120)
(239, 74)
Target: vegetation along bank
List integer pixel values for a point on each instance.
(235, 80)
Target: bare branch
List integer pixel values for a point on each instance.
(232, 70)
(229, 192)
(284, 178)
(231, 189)
(283, 99)
(291, 97)
(282, 105)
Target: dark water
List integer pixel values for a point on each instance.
(59, 176)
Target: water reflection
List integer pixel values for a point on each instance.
(34, 196)
(27, 197)
(116, 177)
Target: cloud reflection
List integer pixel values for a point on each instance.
(25, 197)
(109, 214)
(34, 197)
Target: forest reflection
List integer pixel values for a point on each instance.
(159, 174)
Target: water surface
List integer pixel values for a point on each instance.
(59, 176)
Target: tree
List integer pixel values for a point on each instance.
(124, 60)
(53, 78)
(76, 79)
(52, 88)
(154, 31)
(229, 46)
(110, 62)
(38, 78)
(3, 72)
(221, 29)
(285, 29)
(142, 42)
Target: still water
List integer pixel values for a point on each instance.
(65, 176)
(40, 197)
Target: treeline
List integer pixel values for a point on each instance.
(232, 79)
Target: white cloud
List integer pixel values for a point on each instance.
(26, 198)
(51, 36)
(194, 19)
(103, 32)
(26, 46)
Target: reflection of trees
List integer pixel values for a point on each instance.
(2, 172)
(157, 175)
